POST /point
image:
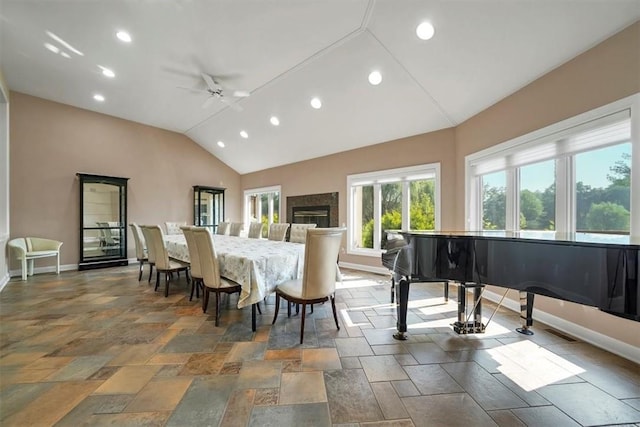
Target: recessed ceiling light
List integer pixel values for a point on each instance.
(65, 54)
(98, 97)
(107, 72)
(425, 31)
(274, 120)
(123, 36)
(244, 134)
(375, 77)
(52, 48)
(316, 103)
(220, 144)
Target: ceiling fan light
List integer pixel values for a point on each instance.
(220, 144)
(375, 77)
(425, 31)
(123, 36)
(244, 134)
(274, 120)
(52, 48)
(316, 103)
(98, 97)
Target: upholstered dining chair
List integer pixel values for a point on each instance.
(318, 283)
(223, 228)
(194, 258)
(278, 231)
(210, 269)
(174, 227)
(163, 263)
(298, 232)
(141, 247)
(151, 253)
(235, 228)
(255, 230)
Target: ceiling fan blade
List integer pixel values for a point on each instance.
(207, 103)
(241, 93)
(191, 89)
(211, 84)
(234, 106)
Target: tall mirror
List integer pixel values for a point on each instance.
(103, 221)
(208, 209)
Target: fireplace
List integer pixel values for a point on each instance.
(320, 209)
(318, 215)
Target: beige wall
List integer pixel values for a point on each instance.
(329, 174)
(51, 142)
(4, 179)
(605, 73)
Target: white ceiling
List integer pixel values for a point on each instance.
(285, 52)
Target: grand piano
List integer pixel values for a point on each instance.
(591, 269)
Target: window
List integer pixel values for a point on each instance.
(262, 205)
(574, 176)
(397, 199)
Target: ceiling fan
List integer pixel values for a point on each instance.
(217, 92)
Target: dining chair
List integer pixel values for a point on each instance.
(223, 228)
(255, 230)
(235, 228)
(141, 247)
(278, 231)
(298, 232)
(151, 253)
(163, 263)
(318, 282)
(194, 258)
(210, 269)
(174, 227)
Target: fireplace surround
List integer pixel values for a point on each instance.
(320, 209)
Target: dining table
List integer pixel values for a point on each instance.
(258, 265)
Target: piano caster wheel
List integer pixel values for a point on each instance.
(524, 331)
(401, 336)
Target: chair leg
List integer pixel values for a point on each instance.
(140, 273)
(335, 315)
(166, 284)
(150, 272)
(275, 316)
(157, 279)
(257, 306)
(24, 269)
(193, 285)
(288, 308)
(304, 311)
(205, 298)
(217, 308)
(58, 263)
(30, 263)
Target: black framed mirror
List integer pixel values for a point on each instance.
(103, 221)
(208, 206)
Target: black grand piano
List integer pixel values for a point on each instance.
(592, 269)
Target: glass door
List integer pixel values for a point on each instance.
(103, 221)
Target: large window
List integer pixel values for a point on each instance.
(397, 199)
(574, 176)
(262, 205)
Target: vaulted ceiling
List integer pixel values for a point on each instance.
(284, 53)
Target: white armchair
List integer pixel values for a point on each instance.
(26, 249)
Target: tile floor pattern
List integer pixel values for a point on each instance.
(100, 348)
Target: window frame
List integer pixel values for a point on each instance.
(404, 175)
(564, 166)
(258, 192)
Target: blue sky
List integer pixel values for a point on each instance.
(591, 168)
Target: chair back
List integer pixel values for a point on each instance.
(278, 231)
(174, 227)
(298, 232)
(155, 240)
(223, 228)
(151, 253)
(236, 228)
(194, 257)
(209, 266)
(255, 230)
(320, 262)
(141, 248)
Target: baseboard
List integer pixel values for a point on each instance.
(597, 339)
(367, 268)
(3, 281)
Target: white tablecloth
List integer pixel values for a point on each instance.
(258, 265)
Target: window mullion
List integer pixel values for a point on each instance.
(406, 206)
(512, 201)
(377, 215)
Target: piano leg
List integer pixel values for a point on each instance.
(463, 326)
(393, 287)
(402, 297)
(526, 312)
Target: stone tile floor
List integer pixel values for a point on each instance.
(100, 348)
